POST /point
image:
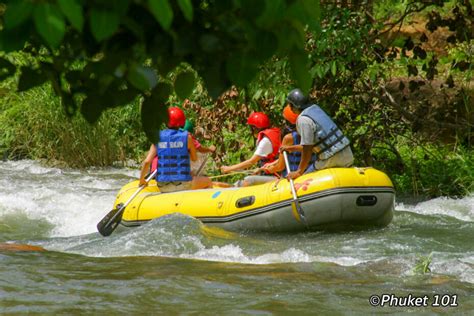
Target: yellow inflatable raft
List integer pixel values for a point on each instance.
(329, 198)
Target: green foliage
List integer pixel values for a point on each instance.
(123, 45)
(405, 104)
(34, 126)
(435, 171)
(184, 84)
(423, 265)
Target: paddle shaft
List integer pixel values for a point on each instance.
(293, 191)
(234, 173)
(202, 166)
(151, 176)
(108, 224)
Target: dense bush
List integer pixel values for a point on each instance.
(34, 126)
(406, 106)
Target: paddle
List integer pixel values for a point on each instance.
(108, 224)
(202, 166)
(297, 210)
(234, 173)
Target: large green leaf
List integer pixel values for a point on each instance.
(241, 68)
(17, 13)
(103, 23)
(30, 78)
(306, 12)
(313, 13)
(73, 12)
(162, 11)
(215, 79)
(266, 45)
(6, 68)
(142, 78)
(49, 23)
(300, 70)
(184, 84)
(92, 107)
(153, 110)
(274, 11)
(187, 8)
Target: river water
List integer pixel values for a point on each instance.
(174, 265)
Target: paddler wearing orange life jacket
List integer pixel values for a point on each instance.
(268, 142)
(175, 150)
(319, 135)
(291, 141)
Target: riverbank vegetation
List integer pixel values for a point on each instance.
(395, 75)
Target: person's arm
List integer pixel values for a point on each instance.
(306, 129)
(192, 148)
(279, 164)
(264, 148)
(146, 164)
(305, 159)
(241, 166)
(291, 148)
(209, 149)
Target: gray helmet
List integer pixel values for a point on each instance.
(297, 99)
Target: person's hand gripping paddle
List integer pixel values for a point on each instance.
(108, 224)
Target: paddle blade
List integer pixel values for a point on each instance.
(298, 212)
(110, 221)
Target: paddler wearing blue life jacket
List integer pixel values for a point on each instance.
(319, 135)
(175, 150)
(268, 142)
(292, 141)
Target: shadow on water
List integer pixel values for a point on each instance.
(18, 226)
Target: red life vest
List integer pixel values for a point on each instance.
(274, 135)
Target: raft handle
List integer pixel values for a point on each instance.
(245, 201)
(366, 200)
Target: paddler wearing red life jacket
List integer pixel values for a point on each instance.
(291, 141)
(267, 146)
(175, 151)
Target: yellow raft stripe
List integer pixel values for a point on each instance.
(279, 204)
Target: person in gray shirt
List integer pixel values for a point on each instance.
(319, 134)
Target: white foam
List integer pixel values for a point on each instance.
(72, 201)
(462, 209)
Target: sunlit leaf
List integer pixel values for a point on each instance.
(49, 23)
(334, 68)
(184, 84)
(103, 23)
(162, 11)
(73, 12)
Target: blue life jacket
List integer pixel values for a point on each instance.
(173, 156)
(329, 138)
(294, 158)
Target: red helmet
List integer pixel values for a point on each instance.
(259, 120)
(289, 115)
(176, 117)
